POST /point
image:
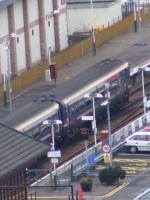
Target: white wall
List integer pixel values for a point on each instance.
(20, 45)
(50, 39)
(84, 18)
(63, 31)
(3, 32)
(34, 31)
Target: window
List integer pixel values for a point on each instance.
(17, 40)
(148, 137)
(134, 137)
(32, 32)
(49, 23)
(141, 137)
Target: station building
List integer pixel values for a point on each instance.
(38, 25)
(98, 14)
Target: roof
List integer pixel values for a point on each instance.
(88, 1)
(16, 149)
(140, 133)
(4, 3)
(80, 4)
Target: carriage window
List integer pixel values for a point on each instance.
(134, 137)
(141, 137)
(148, 137)
(114, 85)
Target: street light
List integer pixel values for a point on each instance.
(94, 127)
(7, 75)
(92, 28)
(107, 102)
(135, 16)
(49, 55)
(143, 69)
(52, 123)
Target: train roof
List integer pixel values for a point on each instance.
(41, 110)
(18, 150)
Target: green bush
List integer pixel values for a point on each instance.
(86, 184)
(111, 174)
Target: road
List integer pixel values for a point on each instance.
(137, 167)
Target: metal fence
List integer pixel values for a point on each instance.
(79, 163)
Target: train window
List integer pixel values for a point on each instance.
(114, 84)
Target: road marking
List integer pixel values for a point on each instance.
(138, 164)
(67, 77)
(51, 197)
(131, 160)
(116, 190)
(132, 154)
(135, 168)
(131, 172)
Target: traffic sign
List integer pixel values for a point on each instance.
(54, 160)
(54, 154)
(106, 157)
(87, 118)
(91, 160)
(106, 148)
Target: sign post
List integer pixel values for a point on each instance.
(106, 158)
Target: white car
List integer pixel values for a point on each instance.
(139, 141)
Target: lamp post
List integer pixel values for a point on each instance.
(52, 123)
(139, 15)
(92, 30)
(94, 127)
(8, 89)
(107, 102)
(135, 16)
(143, 69)
(49, 55)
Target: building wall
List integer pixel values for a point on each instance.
(20, 43)
(63, 32)
(3, 34)
(49, 25)
(85, 18)
(36, 30)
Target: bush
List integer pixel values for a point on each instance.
(111, 174)
(86, 184)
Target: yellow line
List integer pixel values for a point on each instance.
(51, 197)
(116, 190)
(131, 160)
(134, 168)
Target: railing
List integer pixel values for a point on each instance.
(79, 163)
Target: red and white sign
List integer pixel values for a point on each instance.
(106, 148)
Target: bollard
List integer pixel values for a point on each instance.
(80, 194)
(77, 195)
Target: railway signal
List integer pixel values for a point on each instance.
(84, 133)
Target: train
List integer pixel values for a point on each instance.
(71, 107)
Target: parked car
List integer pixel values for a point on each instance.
(139, 141)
